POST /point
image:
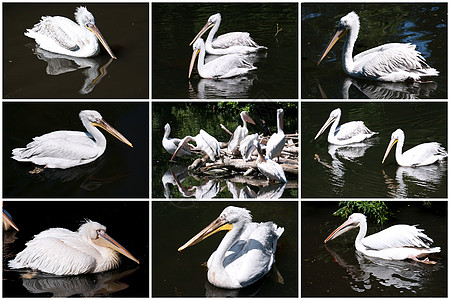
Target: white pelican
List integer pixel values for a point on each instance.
(268, 167)
(65, 149)
(205, 142)
(62, 35)
(8, 222)
(348, 133)
(276, 142)
(394, 62)
(420, 155)
(248, 145)
(225, 66)
(232, 42)
(239, 133)
(171, 144)
(246, 253)
(60, 251)
(397, 242)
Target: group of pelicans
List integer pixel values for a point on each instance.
(240, 144)
(356, 132)
(231, 47)
(60, 251)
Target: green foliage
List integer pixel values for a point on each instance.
(376, 210)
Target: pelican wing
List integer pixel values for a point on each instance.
(398, 236)
(385, 60)
(234, 39)
(252, 256)
(351, 129)
(275, 144)
(211, 141)
(56, 30)
(54, 251)
(73, 145)
(229, 66)
(424, 154)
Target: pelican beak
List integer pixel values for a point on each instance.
(216, 226)
(8, 222)
(103, 124)
(191, 65)
(207, 26)
(104, 240)
(249, 119)
(324, 127)
(346, 226)
(391, 144)
(100, 37)
(341, 31)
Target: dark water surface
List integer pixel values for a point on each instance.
(187, 119)
(121, 171)
(27, 75)
(126, 221)
(174, 25)
(181, 274)
(355, 170)
(422, 24)
(338, 270)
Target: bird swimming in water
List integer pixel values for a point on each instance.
(393, 62)
(62, 35)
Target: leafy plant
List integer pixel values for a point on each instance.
(377, 210)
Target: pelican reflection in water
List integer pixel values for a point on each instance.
(65, 149)
(245, 254)
(393, 62)
(60, 251)
(62, 35)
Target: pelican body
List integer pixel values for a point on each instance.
(60, 251)
(225, 66)
(348, 133)
(65, 149)
(398, 242)
(245, 254)
(247, 146)
(268, 167)
(232, 42)
(62, 35)
(171, 144)
(276, 142)
(393, 62)
(420, 155)
(205, 142)
(239, 133)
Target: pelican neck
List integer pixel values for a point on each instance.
(347, 51)
(99, 138)
(361, 234)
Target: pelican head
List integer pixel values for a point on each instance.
(97, 234)
(335, 114)
(352, 222)
(396, 135)
(96, 119)
(229, 216)
(85, 19)
(198, 45)
(350, 21)
(212, 20)
(246, 117)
